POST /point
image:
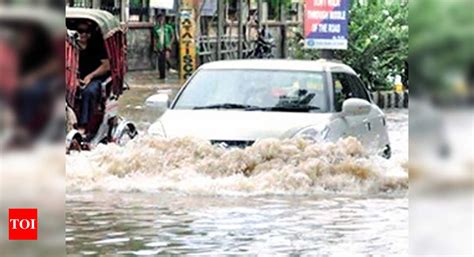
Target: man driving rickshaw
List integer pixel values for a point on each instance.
(94, 68)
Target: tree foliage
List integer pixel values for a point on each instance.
(378, 42)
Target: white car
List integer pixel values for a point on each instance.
(235, 103)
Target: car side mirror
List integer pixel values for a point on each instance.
(355, 106)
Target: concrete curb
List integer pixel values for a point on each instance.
(391, 99)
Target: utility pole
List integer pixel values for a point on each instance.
(327, 54)
(259, 14)
(220, 29)
(284, 29)
(96, 4)
(124, 10)
(240, 29)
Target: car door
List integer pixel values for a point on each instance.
(375, 121)
(358, 126)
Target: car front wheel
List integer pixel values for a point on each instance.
(387, 152)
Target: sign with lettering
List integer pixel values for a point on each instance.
(325, 24)
(187, 43)
(23, 224)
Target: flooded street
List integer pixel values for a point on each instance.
(169, 223)
(187, 197)
(132, 103)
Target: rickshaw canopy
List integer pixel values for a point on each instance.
(115, 43)
(107, 23)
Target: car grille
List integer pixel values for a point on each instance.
(233, 143)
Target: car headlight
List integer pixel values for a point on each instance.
(156, 129)
(313, 133)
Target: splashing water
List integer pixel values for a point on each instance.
(270, 166)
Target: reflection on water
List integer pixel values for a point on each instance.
(169, 223)
(186, 197)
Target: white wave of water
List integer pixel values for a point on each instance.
(270, 166)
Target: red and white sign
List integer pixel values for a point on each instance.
(22, 224)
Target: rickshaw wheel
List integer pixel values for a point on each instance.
(128, 133)
(76, 144)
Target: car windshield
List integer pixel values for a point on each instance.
(266, 90)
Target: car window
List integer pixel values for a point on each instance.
(346, 86)
(259, 88)
(342, 89)
(360, 89)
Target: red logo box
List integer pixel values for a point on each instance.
(22, 224)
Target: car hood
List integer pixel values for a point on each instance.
(237, 124)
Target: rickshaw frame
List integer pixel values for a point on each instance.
(112, 128)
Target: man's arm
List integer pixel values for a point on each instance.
(101, 70)
(173, 36)
(155, 38)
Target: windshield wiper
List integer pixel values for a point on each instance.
(292, 108)
(284, 108)
(227, 106)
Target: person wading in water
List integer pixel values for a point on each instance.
(163, 35)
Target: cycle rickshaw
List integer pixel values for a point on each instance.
(106, 126)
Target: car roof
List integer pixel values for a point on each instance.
(276, 64)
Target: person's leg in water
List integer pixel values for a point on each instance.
(168, 58)
(90, 98)
(162, 63)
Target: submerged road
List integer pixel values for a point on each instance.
(184, 197)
